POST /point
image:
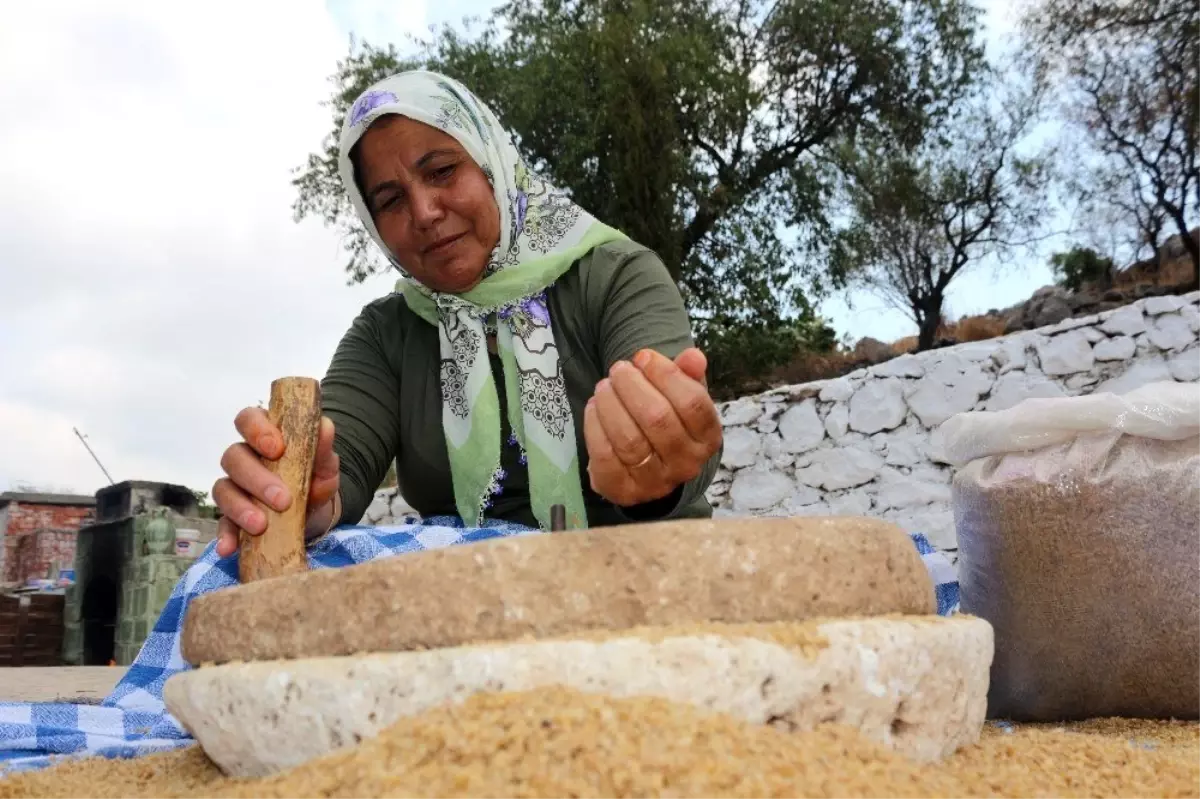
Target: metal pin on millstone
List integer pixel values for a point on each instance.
(558, 518)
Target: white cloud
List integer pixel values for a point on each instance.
(153, 281)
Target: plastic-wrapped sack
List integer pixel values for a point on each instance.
(1078, 523)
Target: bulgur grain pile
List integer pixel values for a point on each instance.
(558, 742)
(1084, 558)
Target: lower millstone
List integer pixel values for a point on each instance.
(915, 684)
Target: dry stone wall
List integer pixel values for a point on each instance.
(862, 444)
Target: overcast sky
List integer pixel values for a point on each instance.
(152, 281)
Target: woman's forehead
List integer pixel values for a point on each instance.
(411, 142)
(400, 130)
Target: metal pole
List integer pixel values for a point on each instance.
(83, 440)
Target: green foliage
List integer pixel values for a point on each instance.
(1081, 265)
(204, 508)
(701, 128)
(743, 354)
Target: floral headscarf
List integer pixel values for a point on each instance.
(541, 234)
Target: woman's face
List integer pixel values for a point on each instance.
(430, 201)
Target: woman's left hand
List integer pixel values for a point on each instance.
(650, 427)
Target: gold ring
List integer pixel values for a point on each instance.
(642, 462)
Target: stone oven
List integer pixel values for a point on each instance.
(145, 535)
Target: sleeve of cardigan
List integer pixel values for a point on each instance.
(361, 394)
(640, 307)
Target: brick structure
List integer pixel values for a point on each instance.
(45, 554)
(22, 514)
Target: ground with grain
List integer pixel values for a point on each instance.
(557, 742)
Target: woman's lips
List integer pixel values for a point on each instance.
(441, 245)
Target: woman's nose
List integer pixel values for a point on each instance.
(426, 207)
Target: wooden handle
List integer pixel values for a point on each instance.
(296, 410)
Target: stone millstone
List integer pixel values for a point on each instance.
(917, 685)
(541, 585)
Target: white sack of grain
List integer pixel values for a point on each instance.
(1078, 525)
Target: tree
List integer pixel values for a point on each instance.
(1120, 218)
(204, 508)
(1082, 265)
(696, 126)
(921, 216)
(1128, 76)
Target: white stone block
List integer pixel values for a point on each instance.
(1126, 321)
(803, 495)
(1065, 354)
(1172, 333)
(1185, 366)
(772, 446)
(878, 405)
(1192, 315)
(1076, 383)
(743, 411)
(838, 390)
(801, 428)
(934, 403)
(835, 469)
(904, 452)
(1151, 369)
(907, 365)
(742, 448)
(837, 422)
(1120, 348)
(853, 503)
(1157, 306)
(906, 491)
(975, 351)
(1011, 354)
(1016, 387)
(1093, 334)
(767, 425)
(817, 509)
(754, 489)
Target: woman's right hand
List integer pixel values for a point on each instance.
(247, 478)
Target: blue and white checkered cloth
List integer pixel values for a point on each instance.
(133, 720)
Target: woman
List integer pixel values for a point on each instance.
(527, 341)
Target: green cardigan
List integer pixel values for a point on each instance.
(383, 394)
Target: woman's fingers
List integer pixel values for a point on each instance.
(248, 481)
(608, 476)
(247, 471)
(623, 432)
(656, 420)
(688, 398)
(227, 537)
(256, 429)
(238, 507)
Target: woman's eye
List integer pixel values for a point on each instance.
(388, 202)
(443, 172)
